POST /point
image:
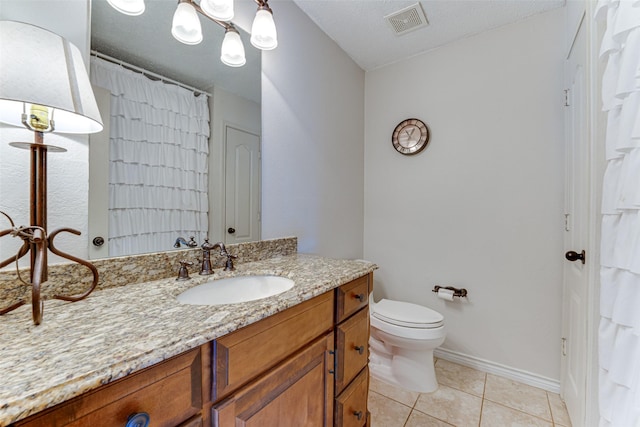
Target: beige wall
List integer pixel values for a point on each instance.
(482, 206)
(312, 139)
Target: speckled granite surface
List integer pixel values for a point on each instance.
(74, 279)
(119, 330)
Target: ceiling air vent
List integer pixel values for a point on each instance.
(408, 19)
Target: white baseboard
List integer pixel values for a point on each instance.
(498, 369)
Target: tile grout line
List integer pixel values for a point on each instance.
(384, 396)
(553, 421)
(484, 390)
(407, 420)
(521, 411)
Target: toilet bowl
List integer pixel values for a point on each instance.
(403, 337)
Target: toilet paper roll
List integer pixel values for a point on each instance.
(445, 294)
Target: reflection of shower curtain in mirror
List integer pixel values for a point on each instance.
(158, 161)
(619, 356)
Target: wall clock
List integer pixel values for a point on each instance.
(410, 136)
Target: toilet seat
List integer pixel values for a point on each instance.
(406, 314)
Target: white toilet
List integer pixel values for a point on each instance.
(403, 337)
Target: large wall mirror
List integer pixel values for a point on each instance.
(233, 178)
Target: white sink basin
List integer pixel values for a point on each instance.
(235, 289)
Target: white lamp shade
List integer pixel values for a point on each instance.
(222, 10)
(186, 24)
(263, 31)
(128, 7)
(232, 52)
(40, 67)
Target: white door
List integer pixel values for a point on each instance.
(98, 219)
(242, 186)
(575, 307)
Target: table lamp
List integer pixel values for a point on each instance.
(44, 86)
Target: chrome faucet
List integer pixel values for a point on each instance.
(191, 243)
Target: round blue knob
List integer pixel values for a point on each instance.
(141, 419)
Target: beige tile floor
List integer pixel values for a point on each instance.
(466, 397)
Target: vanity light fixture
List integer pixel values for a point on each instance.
(222, 10)
(232, 51)
(44, 87)
(263, 30)
(186, 27)
(128, 7)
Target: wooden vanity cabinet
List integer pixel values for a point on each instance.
(305, 366)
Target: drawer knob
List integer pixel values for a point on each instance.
(140, 419)
(359, 349)
(358, 414)
(359, 297)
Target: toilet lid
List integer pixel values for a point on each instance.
(407, 314)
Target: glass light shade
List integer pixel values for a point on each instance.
(222, 10)
(128, 7)
(263, 31)
(186, 24)
(40, 67)
(232, 52)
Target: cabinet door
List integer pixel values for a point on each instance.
(299, 392)
(352, 348)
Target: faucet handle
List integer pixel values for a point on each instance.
(183, 272)
(192, 242)
(229, 264)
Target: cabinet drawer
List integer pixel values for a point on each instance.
(352, 348)
(351, 297)
(243, 355)
(170, 392)
(351, 405)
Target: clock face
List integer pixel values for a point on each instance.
(410, 136)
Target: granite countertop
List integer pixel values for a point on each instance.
(114, 332)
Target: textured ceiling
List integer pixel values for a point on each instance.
(359, 27)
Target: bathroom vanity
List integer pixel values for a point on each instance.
(299, 358)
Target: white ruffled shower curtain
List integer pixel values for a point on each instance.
(619, 334)
(158, 186)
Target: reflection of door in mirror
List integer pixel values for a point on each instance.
(157, 162)
(242, 186)
(98, 203)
